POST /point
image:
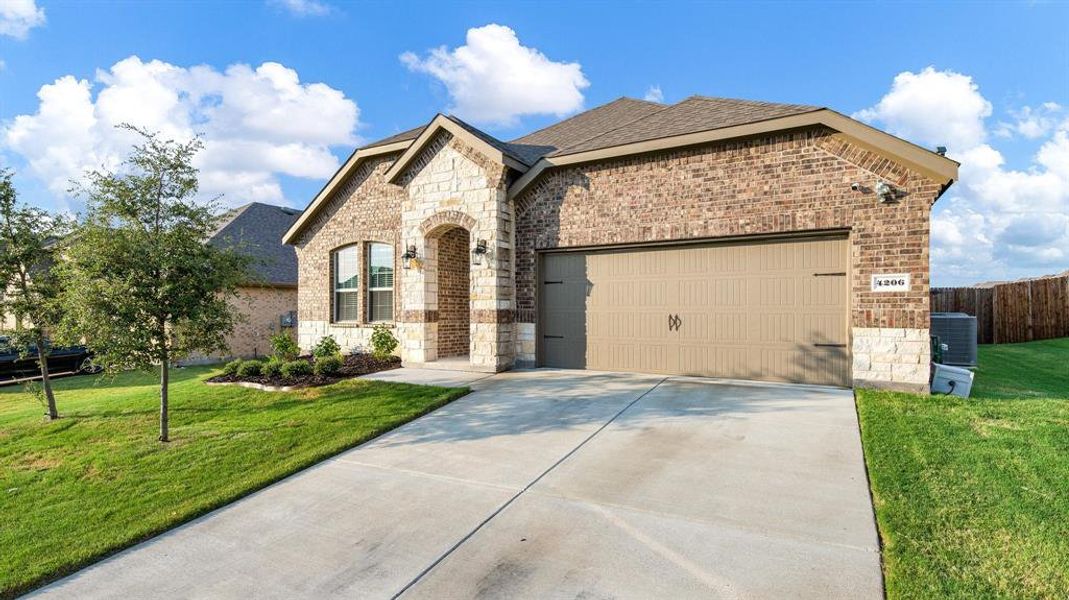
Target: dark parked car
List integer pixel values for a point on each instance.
(62, 359)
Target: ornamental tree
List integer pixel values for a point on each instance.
(28, 286)
(140, 283)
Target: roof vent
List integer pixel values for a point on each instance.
(941, 150)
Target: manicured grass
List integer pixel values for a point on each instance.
(972, 496)
(96, 481)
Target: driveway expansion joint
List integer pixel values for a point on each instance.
(534, 481)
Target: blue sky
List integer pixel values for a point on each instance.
(996, 93)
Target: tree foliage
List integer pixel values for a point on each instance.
(28, 284)
(140, 282)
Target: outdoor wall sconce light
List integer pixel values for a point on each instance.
(409, 257)
(478, 252)
(885, 192)
(888, 193)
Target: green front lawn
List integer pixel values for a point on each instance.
(95, 481)
(972, 496)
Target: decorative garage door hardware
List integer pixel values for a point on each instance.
(674, 322)
(838, 274)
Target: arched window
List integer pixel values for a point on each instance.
(346, 270)
(380, 282)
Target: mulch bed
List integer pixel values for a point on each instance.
(355, 365)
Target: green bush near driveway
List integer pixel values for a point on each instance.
(96, 480)
(972, 496)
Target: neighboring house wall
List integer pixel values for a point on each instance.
(365, 209)
(790, 182)
(262, 308)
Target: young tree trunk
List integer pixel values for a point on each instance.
(164, 422)
(46, 381)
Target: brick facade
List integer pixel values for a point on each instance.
(366, 209)
(261, 309)
(795, 181)
(790, 182)
(454, 292)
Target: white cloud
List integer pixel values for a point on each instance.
(257, 124)
(933, 108)
(996, 222)
(493, 79)
(18, 17)
(654, 94)
(1031, 123)
(302, 8)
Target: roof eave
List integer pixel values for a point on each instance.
(936, 166)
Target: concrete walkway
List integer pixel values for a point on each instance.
(548, 484)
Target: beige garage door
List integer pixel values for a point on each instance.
(773, 310)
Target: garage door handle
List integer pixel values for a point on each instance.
(553, 337)
(674, 322)
(830, 345)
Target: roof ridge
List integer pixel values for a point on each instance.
(745, 101)
(579, 114)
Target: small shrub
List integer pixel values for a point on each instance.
(231, 368)
(250, 368)
(272, 367)
(295, 368)
(383, 343)
(327, 346)
(285, 347)
(327, 365)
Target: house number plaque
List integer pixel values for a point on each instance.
(892, 282)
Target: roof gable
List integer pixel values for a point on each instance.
(486, 144)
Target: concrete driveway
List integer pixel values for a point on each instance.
(548, 484)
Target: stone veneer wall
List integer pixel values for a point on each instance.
(454, 291)
(890, 357)
(782, 183)
(451, 184)
(364, 209)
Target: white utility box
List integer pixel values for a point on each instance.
(951, 380)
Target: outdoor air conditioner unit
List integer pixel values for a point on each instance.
(958, 332)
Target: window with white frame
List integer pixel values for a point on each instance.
(380, 282)
(346, 284)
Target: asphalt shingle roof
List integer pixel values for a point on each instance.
(624, 121)
(697, 113)
(256, 229)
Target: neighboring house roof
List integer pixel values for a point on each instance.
(628, 126)
(256, 229)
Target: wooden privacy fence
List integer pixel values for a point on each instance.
(1020, 311)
